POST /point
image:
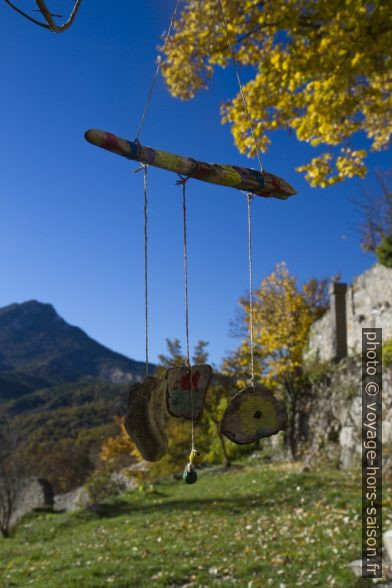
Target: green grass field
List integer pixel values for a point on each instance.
(254, 525)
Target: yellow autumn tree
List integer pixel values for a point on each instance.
(119, 450)
(319, 68)
(282, 316)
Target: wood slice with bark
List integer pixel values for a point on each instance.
(253, 413)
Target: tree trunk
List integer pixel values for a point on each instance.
(5, 533)
(226, 458)
(291, 433)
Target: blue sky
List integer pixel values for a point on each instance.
(71, 215)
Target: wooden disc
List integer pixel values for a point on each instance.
(180, 382)
(253, 413)
(145, 419)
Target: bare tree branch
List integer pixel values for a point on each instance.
(48, 16)
(376, 211)
(37, 22)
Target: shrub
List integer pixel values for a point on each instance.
(100, 486)
(384, 251)
(387, 353)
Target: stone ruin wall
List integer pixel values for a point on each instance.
(334, 414)
(335, 405)
(367, 302)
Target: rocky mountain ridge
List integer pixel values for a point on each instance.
(39, 349)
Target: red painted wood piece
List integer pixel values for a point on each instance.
(186, 387)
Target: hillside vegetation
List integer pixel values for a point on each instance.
(57, 432)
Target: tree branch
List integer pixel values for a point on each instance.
(51, 25)
(37, 22)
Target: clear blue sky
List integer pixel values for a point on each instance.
(71, 215)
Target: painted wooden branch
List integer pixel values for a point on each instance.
(245, 179)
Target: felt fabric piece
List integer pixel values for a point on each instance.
(145, 418)
(253, 413)
(180, 382)
(246, 179)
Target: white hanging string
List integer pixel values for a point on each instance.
(185, 274)
(159, 62)
(182, 182)
(250, 382)
(144, 167)
(240, 85)
(252, 368)
(146, 262)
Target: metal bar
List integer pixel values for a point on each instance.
(242, 178)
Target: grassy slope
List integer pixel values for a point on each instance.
(257, 525)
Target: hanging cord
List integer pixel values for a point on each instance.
(146, 261)
(186, 274)
(144, 167)
(182, 182)
(240, 85)
(250, 382)
(159, 62)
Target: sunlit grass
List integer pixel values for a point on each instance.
(254, 525)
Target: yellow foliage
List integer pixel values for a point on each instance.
(120, 448)
(322, 68)
(282, 316)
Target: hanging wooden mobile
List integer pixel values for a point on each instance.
(253, 412)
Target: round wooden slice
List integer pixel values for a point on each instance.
(253, 413)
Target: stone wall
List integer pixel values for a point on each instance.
(33, 493)
(366, 303)
(333, 413)
(369, 304)
(333, 409)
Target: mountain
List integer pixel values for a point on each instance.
(59, 393)
(39, 349)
